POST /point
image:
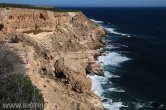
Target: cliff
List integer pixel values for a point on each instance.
(58, 50)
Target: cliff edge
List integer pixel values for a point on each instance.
(58, 50)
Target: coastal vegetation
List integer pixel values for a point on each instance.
(16, 87)
(7, 5)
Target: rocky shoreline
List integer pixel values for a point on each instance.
(59, 50)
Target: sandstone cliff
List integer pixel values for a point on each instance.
(58, 50)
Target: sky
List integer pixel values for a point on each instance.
(92, 3)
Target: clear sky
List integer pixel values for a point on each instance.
(92, 3)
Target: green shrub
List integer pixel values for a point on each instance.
(17, 88)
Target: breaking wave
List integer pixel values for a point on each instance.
(113, 59)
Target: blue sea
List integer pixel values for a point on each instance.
(134, 59)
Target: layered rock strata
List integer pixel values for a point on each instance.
(58, 50)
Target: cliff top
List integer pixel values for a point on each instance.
(6, 5)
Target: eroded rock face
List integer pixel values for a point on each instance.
(56, 31)
(87, 59)
(58, 44)
(73, 74)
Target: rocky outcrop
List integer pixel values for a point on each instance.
(73, 74)
(66, 31)
(59, 51)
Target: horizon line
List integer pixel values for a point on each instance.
(86, 6)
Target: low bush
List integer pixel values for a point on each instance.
(18, 89)
(15, 86)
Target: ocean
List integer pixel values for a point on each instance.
(134, 59)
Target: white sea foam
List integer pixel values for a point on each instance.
(96, 84)
(125, 46)
(116, 90)
(109, 75)
(113, 105)
(139, 105)
(97, 81)
(98, 22)
(112, 30)
(113, 59)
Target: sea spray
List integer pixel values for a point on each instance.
(111, 59)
